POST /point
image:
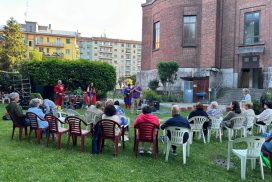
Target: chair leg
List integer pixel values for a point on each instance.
(155, 150)
(204, 140)
(167, 151)
(243, 168)
(12, 134)
(39, 132)
(209, 136)
(136, 148)
(184, 153)
(68, 140)
(47, 140)
(29, 134)
(58, 141)
(25, 131)
(20, 133)
(82, 143)
(220, 135)
(261, 167)
(188, 148)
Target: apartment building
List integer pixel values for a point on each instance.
(124, 55)
(52, 43)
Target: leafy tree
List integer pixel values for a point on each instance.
(167, 73)
(13, 49)
(35, 55)
(153, 84)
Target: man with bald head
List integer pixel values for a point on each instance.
(178, 121)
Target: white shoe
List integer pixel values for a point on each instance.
(149, 152)
(126, 138)
(119, 144)
(141, 151)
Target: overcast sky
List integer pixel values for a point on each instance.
(117, 18)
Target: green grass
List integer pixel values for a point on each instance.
(33, 162)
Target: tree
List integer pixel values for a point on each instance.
(13, 49)
(35, 55)
(167, 73)
(153, 84)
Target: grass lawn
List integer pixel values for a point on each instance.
(33, 162)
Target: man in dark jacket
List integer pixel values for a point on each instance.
(178, 121)
(15, 110)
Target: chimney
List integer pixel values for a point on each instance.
(49, 26)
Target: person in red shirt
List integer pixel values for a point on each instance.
(146, 116)
(59, 90)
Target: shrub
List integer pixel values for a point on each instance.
(172, 98)
(74, 74)
(151, 95)
(153, 84)
(6, 81)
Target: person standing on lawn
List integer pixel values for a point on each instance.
(136, 95)
(127, 94)
(59, 90)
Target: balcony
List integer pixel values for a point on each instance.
(50, 44)
(54, 55)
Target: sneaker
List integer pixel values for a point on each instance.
(174, 152)
(119, 144)
(126, 138)
(149, 152)
(141, 151)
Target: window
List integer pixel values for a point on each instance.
(30, 43)
(41, 39)
(251, 59)
(156, 35)
(48, 40)
(68, 41)
(47, 50)
(122, 45)
(40, 49)
(67, 51)
(246, 59)
(58, 51)
(189, 30)
(252, 28)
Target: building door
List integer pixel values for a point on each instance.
(200, 85)
(245, 78)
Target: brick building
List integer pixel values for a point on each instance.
(217, 43)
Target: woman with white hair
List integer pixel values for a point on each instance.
(15, 110)
(214, 110)
(34, 107)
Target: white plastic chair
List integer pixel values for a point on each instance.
(216, 126)
(237, 125)
(197, 126)
(72, 112)
(253, 151)
(250, 123)
(177, 134)
(263, 128)
(91, 118)
(61, 116)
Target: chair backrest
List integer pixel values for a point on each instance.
(92, 117)
(177, 134)
(74, 124)
(238, 122)
(268, 120)
(72, 112)
(108, 127)
(146, 131)
(216, 122)
(14, 119)
(254, 145)
(52, 122)
(250, 120)
(198, 122)
(33, 119)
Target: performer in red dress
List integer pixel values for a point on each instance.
(59, 90)
(94, 95)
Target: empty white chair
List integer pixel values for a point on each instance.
(252, 152)
(5, 97)
(237, 125)
(216, 126)
(61, 116)
(197, 126)
(177, 135)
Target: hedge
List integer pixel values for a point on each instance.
(73, 74)
(6, 81)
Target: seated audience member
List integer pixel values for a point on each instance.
(176, 120)
(146, 116)
(214, 111)
(264, 116)
(247, 111)
(110, 113)
(15, 110)
(49, 106)
(119, 110)
(199, 111)
(97, 111)
(34, 107)
(235, 111)
(109, 102)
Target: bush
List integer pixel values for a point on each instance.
(153, 84)
(6, 81)
(74, 74)
(172, 98)
(36, 95)
(151, 95)
(257, 107)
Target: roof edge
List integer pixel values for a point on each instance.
(148, 3)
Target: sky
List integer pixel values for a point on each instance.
(121, 19)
